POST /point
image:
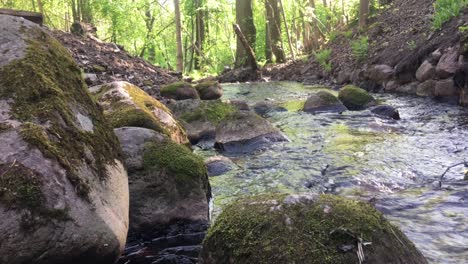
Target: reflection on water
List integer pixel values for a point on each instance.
(358, 155)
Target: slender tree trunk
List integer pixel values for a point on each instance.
(363, 13)
(76, 17)
(274, 29)
(269, 18)
(287, 30)
(41, 7)
(200, 32)
(180, 54)
(244, 18)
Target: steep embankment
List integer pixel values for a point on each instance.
(399, 36)
(107, 62)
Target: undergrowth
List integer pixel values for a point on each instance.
(445, 10)
(360, 48)
(323, 58)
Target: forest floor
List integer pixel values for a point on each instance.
(107, 62)
(400, 35)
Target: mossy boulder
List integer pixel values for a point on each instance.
(323, 102)
(125, 104)
(245, 131)
(167, 181)
(63, 188)
(209, 90)
(322, 229)
(355, 98)
(179, 91)
(200, 118)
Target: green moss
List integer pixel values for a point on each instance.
(47, 90)
(213, 111)
(20, 188)
(328, 97)
(294, 106)
(354, 98)
(171, 88)
(206, 84)
(263, 229)
(187, 168)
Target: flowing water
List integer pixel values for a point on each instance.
(394, 164)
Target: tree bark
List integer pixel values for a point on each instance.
(247, 47)
(199, 32)
(244, 18)
(180, 54)
(274, 41)
(287, 30)
(363, 13)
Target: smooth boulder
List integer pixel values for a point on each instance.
(326, 229)
(386, 111)
(63, 188)
(425, 72)
(448, 63)
(209, 90)
(179, 91)
(355, 98)
(245, 131)
(168, 183)
(381, 73)
(323, 102)
(125, 105)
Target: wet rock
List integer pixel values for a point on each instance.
(381, 73)
(170, 184)
(240, 105)
(179, 91)
(209, 90)
(63, 188)
(409, 88)
(445, 88)
(245, 132)
(390, 86)
(425, 72)
(287, 222)
(323, 102)
(126, 105)
(426, 88)
(218, 165)
(343, 77)
(386, 111)
(355, 98)
(448, 63)
(265, 107)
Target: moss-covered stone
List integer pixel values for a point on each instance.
(48, 91)
(282, 228)
(213, 111)
(323, 101)
(354, 98)
(127, 105)
(209, 90)
(179, 91)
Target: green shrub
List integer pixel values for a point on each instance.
(360, 48)
(332, 36)
(323, 58)
(348, 34)
(445, 10)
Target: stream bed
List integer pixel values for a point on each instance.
(395, 165)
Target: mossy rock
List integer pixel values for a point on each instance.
(280, 228)
(60, 164)
(355, 98)
(209, 90)
(126, 105)
(179, 91)
(323, 102)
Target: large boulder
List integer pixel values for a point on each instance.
(200, 118)
(355, 98)
(425, 72)
(125, 105)
(167, 182)
(408, 88)
(323, 102)
(179, 91)
(386, 111)
(281, 228)
(426, 88)
(445, 88)
(381, 73)
(209, 90)
(448, 63)
(63, 188)
(245, 131)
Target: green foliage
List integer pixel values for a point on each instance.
(411, 44)
(323, 58)
(348, 34)
(332, 36)
(360, 48)
(445, 10)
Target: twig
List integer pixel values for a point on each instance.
(465, 163)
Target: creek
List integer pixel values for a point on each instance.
(395, 165)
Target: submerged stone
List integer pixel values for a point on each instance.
(355, 98)
(179, 91)
(323, 102)
(282, 228)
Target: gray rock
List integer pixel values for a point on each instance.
(179, 91)
(425, 72)
(426, 88)
(323, 102)
(409, 88)
(390, 86)
(265, 107)
(381, 73)
(209, 90)
(445, 88)
(435, 56)
(448, 63)
(386, 111)
(64, 190)
(245, 132)
(218, 165)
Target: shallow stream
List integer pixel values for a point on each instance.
(394, 164)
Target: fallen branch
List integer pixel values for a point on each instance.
(248, 48)
(465, 163)
(31, 16)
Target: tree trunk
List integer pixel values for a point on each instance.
(269, 15)
(76, 17)
(244, 18)
(274, 30)
(247, 47)
(363, 13)
(199, 32)
(287, 30)
(180, 55)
